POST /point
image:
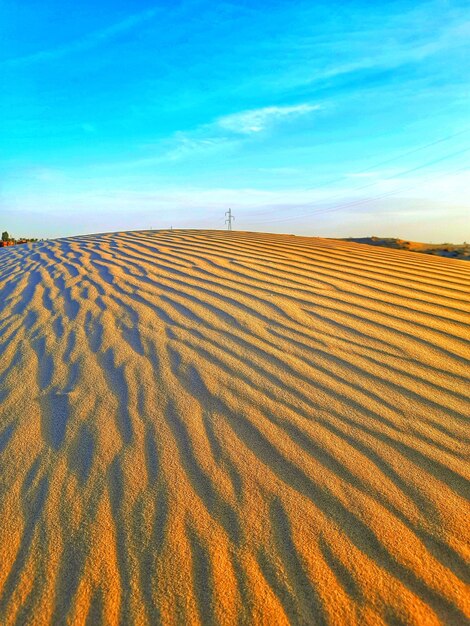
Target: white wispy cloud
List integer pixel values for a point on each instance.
(257, 120)
(403, 38)
(185, 144)
(176, 148)
(228, 131)
(397, 54)
(225, 133)
(85, 43)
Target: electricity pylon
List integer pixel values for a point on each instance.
(229, 219)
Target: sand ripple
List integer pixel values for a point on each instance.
(232, 428)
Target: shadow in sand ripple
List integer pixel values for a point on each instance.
(201, 482)
(119, 387)
(55, 411)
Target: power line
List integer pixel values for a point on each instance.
(398, 156)
(356, 202)
(385, 162)
(402, 173)
(359, 202)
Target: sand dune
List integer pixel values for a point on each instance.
(234, 428)
(449, 250)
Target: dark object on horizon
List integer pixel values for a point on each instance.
(449, 250)
(6, 240)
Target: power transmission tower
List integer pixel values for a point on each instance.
(229, 219)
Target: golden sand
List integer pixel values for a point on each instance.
(203, 427)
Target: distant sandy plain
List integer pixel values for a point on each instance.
(207, 427)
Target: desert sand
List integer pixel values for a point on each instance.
(449, 250)
(207, 427)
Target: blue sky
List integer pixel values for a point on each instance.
(322, 118)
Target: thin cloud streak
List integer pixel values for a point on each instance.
(257, 120)
(123, 196)
(88, 42)
(396, 56)
(225, 133)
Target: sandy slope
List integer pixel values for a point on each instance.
(213, 427)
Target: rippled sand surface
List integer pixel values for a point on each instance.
(204, 427)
